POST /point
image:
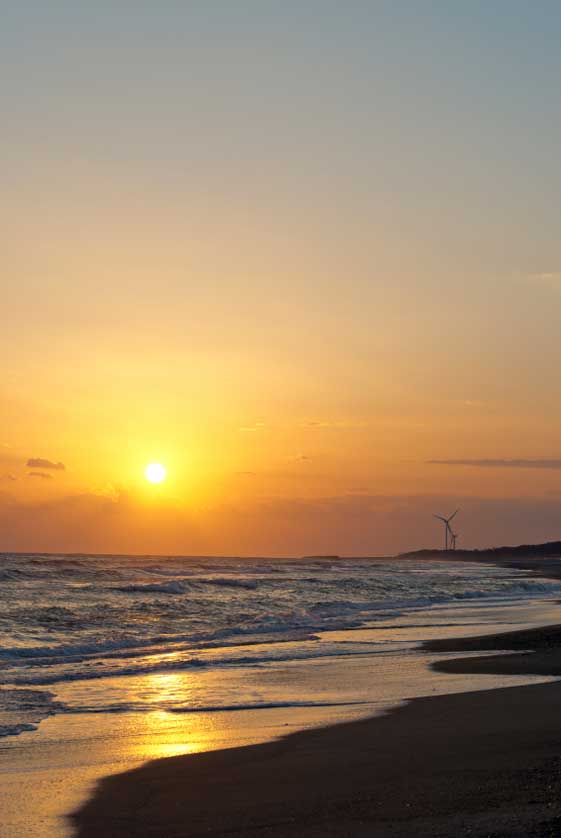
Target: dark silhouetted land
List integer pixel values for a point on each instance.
(540, 559)
(547, 550)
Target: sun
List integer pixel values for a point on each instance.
(155, 473)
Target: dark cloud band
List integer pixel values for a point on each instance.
(514, 463)
(39, 462)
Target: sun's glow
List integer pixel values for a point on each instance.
(155, 473)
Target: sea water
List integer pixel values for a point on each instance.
(86, 619)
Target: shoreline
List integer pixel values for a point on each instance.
(361, 779)
(480, 763)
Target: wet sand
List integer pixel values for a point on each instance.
(479, 764)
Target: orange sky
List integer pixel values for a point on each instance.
(294, 260)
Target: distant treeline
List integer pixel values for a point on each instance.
(548, 550)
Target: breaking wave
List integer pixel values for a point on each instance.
(65, 619)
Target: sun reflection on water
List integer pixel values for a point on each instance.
(171, 733)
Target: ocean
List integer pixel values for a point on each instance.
(106, 661)
(86, 619)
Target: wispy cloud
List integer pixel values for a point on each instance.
(40, 474)
(501, 463)
(322, 424)
(550, 278)
(8, 478)
(257, 426)
(109, 491)
(40, 462)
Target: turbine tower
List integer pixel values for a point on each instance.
(449, 536)
(454, 536)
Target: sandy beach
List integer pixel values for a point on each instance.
(483, 764)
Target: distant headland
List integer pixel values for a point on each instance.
(541, 559)
(548, 550)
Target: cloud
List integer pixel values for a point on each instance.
(299, 458)
(318, 425)
(506, 463)
(257, 426)
(8, 477)
(365, 524)
(39, 462)
(109, 491)
(338, 424)
(550, 278)
(369, 524)
(40, 474)
(94, 523)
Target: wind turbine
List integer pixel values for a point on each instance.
(454, 536)
(447, 528)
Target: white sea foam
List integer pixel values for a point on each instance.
(23, 709)
(80, 618)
